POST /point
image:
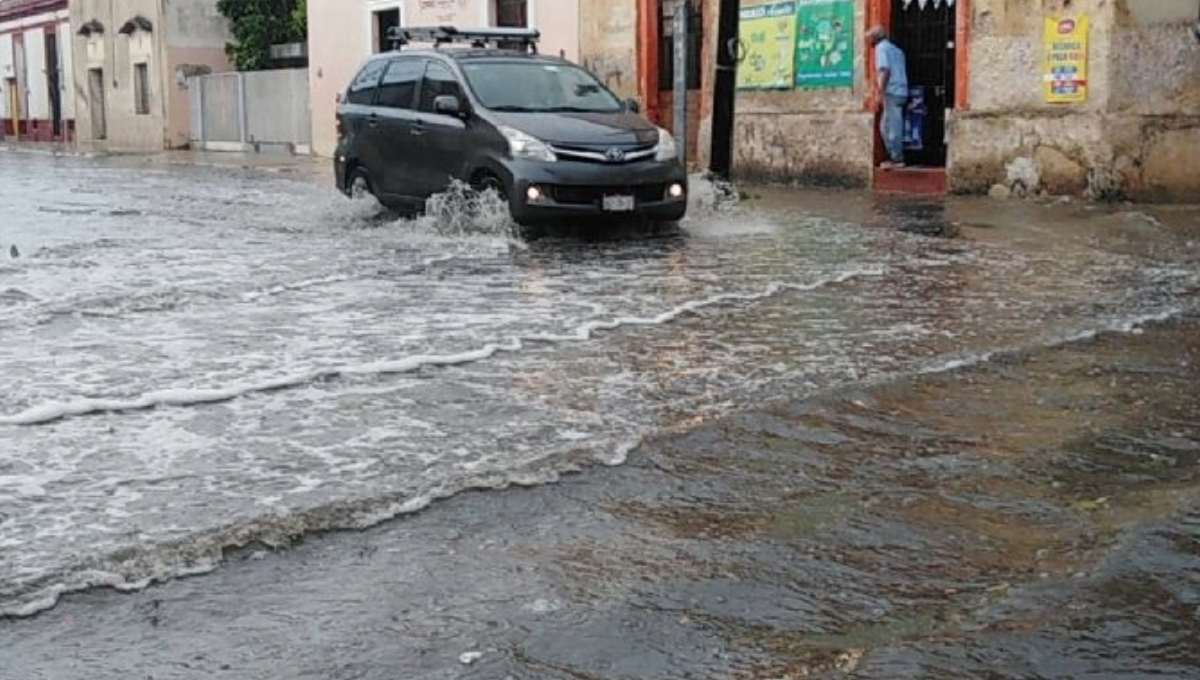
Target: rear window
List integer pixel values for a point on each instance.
(362, 89)
(538, 86)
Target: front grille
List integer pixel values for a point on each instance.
(588, 195)
(608, 155)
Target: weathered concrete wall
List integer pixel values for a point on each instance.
(608, 43)
(116, 54)
(805, 147)
(809, 136)
(1137, 136)
(1008, 122)
(1154, 112)
(193, 43)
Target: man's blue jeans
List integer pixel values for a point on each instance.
(891, 126)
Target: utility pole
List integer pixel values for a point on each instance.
(724, 89)
(679, 26)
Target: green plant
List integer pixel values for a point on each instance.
(258, 24)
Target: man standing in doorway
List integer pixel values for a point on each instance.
(889, 93)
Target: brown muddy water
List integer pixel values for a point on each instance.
(1037, 516)
(1032, 512)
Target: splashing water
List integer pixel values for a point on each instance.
(462, 210)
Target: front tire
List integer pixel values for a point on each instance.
(358, 184)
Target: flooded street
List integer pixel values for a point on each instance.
(810, 435)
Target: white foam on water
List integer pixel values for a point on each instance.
(53, 411)
(1128, 326)
(303, 284)
(588, 329)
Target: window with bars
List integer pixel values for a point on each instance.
(141, 89)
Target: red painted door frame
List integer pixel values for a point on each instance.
(879, 12)
(647, 57)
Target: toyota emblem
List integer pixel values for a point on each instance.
(614, 155)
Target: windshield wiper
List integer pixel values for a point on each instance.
(512, 109)
(577, 109)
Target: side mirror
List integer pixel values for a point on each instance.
(632, 106)
(447, 105)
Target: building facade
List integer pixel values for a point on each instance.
(132, 60)
(36, 100)
(342, 33)
(1095, 98)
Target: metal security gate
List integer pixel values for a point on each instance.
(926, 33)
(251, 111)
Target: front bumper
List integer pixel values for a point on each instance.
(570, 188)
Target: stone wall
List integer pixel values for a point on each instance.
(1136, 137)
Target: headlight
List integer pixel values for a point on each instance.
(522, 145)
(666, 150)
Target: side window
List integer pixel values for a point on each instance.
(362, 90)
(399, 87)
(438, 81)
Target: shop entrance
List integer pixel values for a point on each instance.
(926, 31)
(933, 35)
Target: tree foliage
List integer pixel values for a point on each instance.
(258, 24)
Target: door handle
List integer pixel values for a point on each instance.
(417, 129)
(373, 120)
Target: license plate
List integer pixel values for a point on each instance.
(617, 203)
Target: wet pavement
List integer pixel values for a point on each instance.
(815, 435)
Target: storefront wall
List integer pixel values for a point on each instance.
(821, 137)
(1130, 139)
(1136, 135)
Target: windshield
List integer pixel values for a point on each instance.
(538, 87)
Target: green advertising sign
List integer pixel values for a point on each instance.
(824, 43)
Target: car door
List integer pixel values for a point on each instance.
(442, 137)
(393, 117)
(355, 112)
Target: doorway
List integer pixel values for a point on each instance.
(53, 85)
(385, 23)
(13, 124)
(96, 103)
(927, 33)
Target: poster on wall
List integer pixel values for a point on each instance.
(825, 43)
(1064, 74)
(767, 34)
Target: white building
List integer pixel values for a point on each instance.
(342, 33)
(36, 100)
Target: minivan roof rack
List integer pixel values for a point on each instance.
(524, 39)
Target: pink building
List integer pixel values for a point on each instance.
(35, 71)
(341, 33)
